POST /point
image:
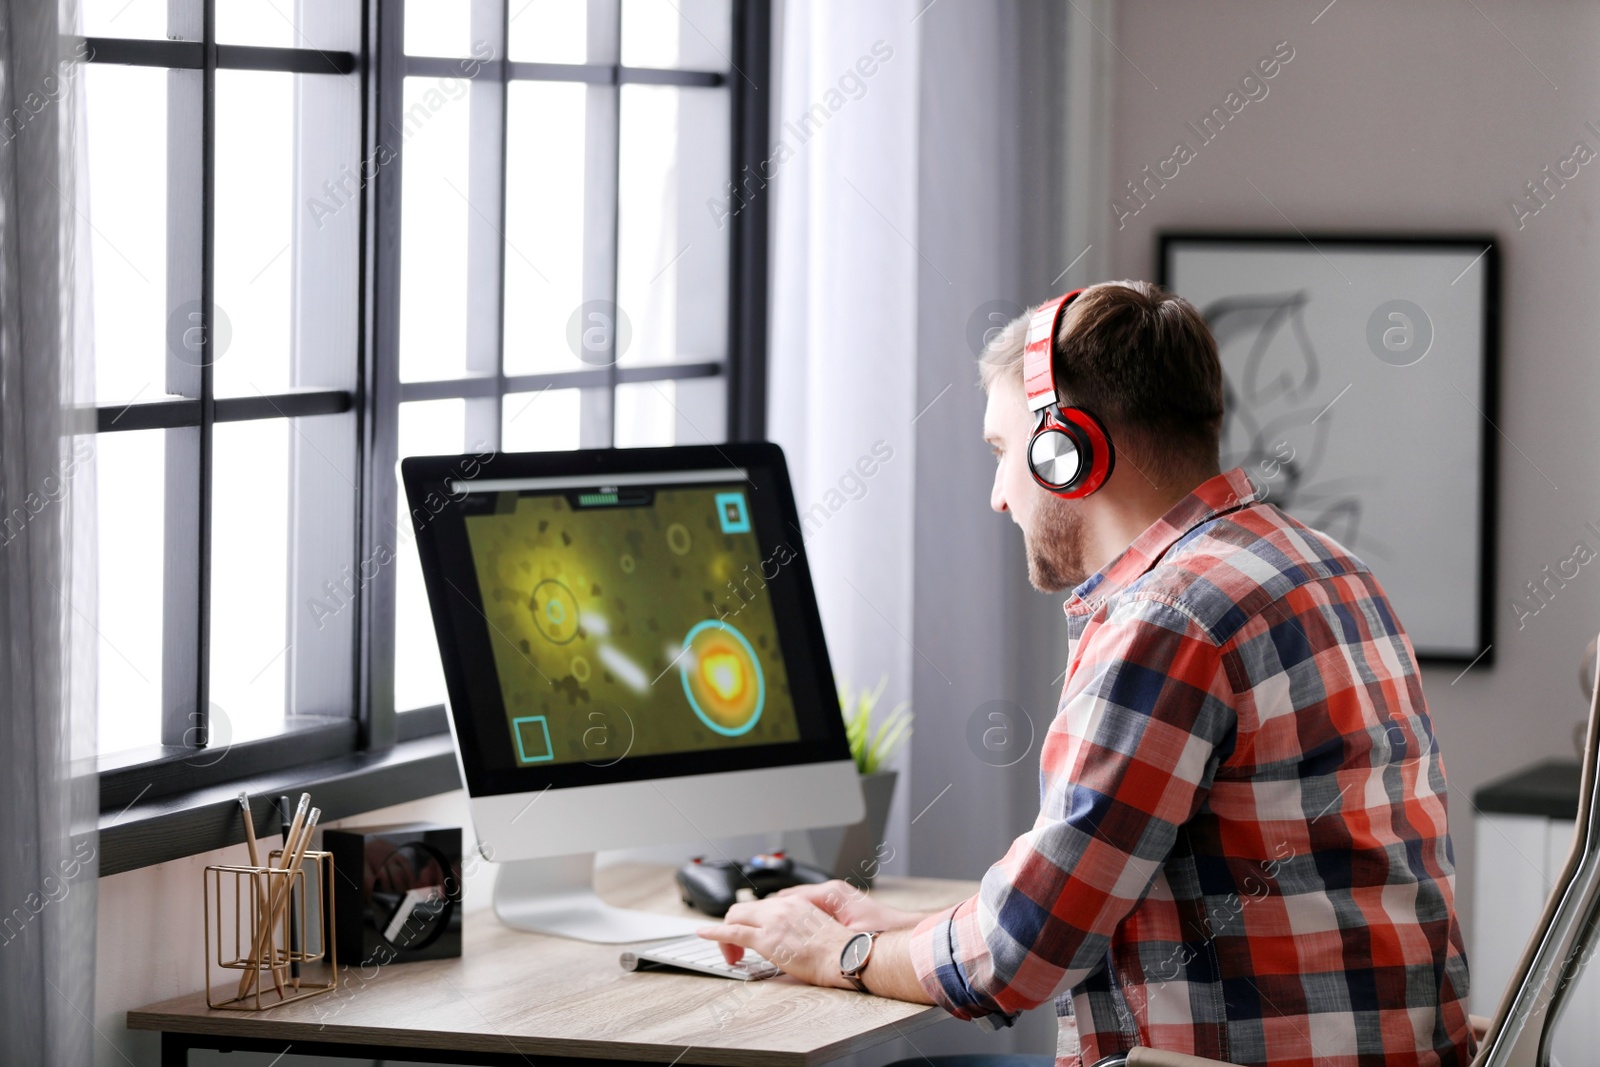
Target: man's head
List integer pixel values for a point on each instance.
(1144, 363)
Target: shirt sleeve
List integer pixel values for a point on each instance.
(1144, 720)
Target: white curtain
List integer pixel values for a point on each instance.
(49, 796)
(843, 341)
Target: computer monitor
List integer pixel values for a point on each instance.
(633, 656)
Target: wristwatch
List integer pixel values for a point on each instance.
(853, 960)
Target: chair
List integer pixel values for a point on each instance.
(1561, 944)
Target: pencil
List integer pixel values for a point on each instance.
(293, 856)
(265, 933)
(261, 898)
(299, 859)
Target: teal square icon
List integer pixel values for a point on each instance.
(731, 510)
(540, 739)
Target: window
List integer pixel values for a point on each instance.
(227, 351)
(328, 235)
(564, 265)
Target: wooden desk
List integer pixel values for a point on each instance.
(514, 995)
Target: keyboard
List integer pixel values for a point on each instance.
(696, 954)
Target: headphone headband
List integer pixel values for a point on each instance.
(1069, 454)
(1038, 353)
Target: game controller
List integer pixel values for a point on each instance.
(712, 886)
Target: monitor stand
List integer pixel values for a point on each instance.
(556, 896)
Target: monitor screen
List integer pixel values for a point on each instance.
(613, 624)
(628, 596)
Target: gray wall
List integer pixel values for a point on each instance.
(1421, 116)
(984, 162)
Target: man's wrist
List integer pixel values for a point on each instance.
(856, 956)
(832, 973)
(891, 973)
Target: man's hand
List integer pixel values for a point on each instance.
(788, 930)
(853, 907)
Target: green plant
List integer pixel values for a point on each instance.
(871, 748)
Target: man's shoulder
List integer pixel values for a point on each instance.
(1231, 568)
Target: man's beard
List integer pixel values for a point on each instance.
(1055, 546)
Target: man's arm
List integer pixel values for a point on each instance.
(1127, 761)
(889, 972)
(804, 930)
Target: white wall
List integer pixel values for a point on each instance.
(150, 945)
(1408, 117)
(150, 936)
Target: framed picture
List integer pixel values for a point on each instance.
(1360, 375)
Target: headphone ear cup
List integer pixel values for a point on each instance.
(1097, 449)
(1057, 455)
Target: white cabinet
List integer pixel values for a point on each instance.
(1519, 858)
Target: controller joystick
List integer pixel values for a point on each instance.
(712, 886)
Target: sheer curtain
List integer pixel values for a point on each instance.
(49, 797)
(843, 170)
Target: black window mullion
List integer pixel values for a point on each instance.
(191, 55)
(596, 378)
(175, 55)
(170, 414)
(589, 73)
(748, 226)
(384, 104)
(693, 79)
(208, 408)
(183, 712)
(299, 404)
(179, 412)
(286, 60)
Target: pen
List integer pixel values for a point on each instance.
(294, 916)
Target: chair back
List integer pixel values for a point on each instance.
(1561, 943)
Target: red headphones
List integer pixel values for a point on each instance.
(1070, 453)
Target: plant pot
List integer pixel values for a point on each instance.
(864, 849)
(856, 852)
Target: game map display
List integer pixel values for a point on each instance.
(631, 622)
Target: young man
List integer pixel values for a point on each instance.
(1241, 851)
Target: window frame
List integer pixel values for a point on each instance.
(175, 799)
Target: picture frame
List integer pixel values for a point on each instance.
(1361, 379)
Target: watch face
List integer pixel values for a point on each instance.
(855, 953)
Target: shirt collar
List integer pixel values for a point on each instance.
(1223, 493)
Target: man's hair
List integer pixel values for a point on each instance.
(1141, 360)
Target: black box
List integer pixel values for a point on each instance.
(397, 892)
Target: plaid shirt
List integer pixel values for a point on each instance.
(1241, 850)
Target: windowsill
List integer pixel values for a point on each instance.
(158, 829)
(135, 775)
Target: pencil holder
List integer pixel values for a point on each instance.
(268, 931)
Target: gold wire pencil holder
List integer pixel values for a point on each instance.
(269, 931)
